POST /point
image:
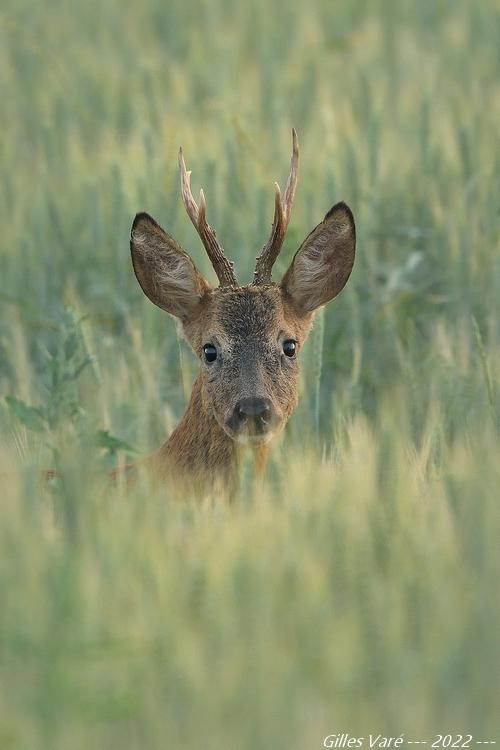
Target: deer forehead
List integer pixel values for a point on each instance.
(249, 314)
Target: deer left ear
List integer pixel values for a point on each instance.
(323, 263)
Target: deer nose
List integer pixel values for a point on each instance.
(255, 410)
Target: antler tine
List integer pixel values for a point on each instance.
(282, 213)
(291, 185)
(187, 197)
(222, 266)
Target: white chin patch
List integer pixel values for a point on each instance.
(245, 439)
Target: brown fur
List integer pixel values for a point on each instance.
(198, 454)
(248, 326)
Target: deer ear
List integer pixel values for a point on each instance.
(164, 270)
(323, 263)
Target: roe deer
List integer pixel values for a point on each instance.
(247, 337)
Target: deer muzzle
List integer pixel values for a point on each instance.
(252, 418)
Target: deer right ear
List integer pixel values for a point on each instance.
(164, 270)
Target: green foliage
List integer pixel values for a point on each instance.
(63, 369)
(29, 416)
(112, 444)
(62, 407)
(356, 588)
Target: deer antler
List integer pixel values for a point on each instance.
(222, 266)
(282, 212)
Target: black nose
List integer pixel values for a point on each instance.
(256, 411)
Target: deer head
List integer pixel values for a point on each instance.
(247, 338)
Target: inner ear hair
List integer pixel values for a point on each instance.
(324, 261)
(164, 270)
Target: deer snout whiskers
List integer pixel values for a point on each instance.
(253, 418)
(257, 410)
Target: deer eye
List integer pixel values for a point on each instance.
(289, 347)
(210, 353)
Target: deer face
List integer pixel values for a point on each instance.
(248, 338)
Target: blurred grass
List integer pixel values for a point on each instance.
(357, 589)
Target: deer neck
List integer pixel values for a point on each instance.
(198, 450)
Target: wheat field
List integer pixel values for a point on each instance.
(356, 588)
